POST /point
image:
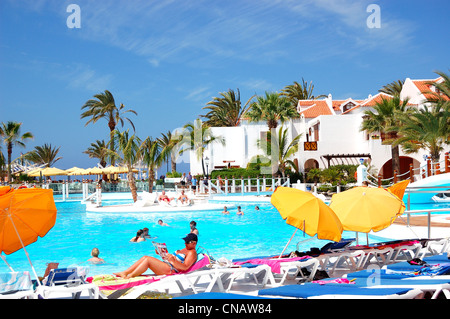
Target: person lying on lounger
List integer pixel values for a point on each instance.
(183, 198)
(164, 198)
(172, 264)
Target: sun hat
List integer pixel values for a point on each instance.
(190, 237)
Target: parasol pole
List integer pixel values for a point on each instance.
(4, 259)
(287, 243)
(26, 252)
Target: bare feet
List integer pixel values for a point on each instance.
(120, 274)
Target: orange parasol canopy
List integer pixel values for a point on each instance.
(399, 188)
(25, 215)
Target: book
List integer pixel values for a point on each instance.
(161, 249)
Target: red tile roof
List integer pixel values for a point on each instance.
(314, 108)
(424, 87)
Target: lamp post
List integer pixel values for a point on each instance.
(207, 164)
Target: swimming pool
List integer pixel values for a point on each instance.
(76, 232)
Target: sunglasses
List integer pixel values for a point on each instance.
(190, 242)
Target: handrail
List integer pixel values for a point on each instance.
(428, 211)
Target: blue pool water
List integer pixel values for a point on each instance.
(76, 232)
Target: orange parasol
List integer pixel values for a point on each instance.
(399, 188)
(25, 215)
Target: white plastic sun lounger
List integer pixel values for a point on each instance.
(16, 285)
(291, 269)
(345, 291)
(68, 281)
(342, 261)
(197, 280)
(435, 247)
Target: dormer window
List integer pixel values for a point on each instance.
(348, 106)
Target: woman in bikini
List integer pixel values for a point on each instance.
(181, 261)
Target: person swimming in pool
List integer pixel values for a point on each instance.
(170, 265)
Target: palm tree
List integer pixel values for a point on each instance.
(2, 164)
(104, 106)
(10, 133)
(296, 92)
(45, 154)
(226, 110)
(394, 88)
(385, 119)
(129, 146)
(441, 91)
(152, 157)
(426, 128)
(271, 108)
(199, 137)
(314, 174)
(169, 144)
(98, 150)
(280, 158)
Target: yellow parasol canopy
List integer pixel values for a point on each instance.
(363, 209)
(95, 171)
(118, 170)
(48, 171)
(305, 211)
(70, 170)
(80, 171)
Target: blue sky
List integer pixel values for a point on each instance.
(166, 59)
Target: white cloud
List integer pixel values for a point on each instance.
(199, 94)
(84, 77)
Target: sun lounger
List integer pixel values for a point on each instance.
(405, 252)
(204, 280)
(434, 285)
(68, 281)
(219, 295)
(435, 247)
(16, 285)
(338, 291)
(347, 261)
(339, 246)
(112, 287)
(405, 266)
(305, 266)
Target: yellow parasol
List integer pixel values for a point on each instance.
(118, 170)
(80, 171)
(73, 169)
(95, 171)
(305, 211)
(48, 171)
(365, 209)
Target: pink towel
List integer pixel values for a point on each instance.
(275, 264)
(333, 281)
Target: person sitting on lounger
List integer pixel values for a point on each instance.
(164, 198)
(170, 265)
(183, 198)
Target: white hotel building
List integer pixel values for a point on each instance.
(334, 128)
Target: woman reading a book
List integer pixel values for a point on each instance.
(170, 263)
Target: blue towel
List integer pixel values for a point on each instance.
(405, 266)
(218, 295)
(311, 290)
